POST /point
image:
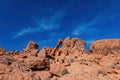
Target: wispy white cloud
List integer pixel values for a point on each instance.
(41, 25)
(90, 26)
(45, 24)
(86, 27)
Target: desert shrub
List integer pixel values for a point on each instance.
(11, 59)
(111, 65)
(71, 60)
(64, 71)
(87, 60)
(101, 72)
(81, 61)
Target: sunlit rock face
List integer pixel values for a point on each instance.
(69, 60)
(106, 46)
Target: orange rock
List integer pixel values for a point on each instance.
(76, 77)
(31, 45)
(106, 46)
(44, 75)
(34, 52)
(42, 53)
(117, 66)
(3, 67)
(37, 63)
(56, 69)
(70, 48)
(77, 68)
(107, 62)
(69, 60)
(3, 51)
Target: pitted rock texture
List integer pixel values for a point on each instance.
(69, 60)
(106, 46)
(71, 49)
(37, 63)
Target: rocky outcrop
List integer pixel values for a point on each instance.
(56, 69)
(42, 53)
(36, 63)
(106, 46)
(70, 49)
(31, 50)
(31, 45)
(3, 51)
(69, 60)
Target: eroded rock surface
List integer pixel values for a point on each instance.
(37, 63)
(106, 46)
(69, 60)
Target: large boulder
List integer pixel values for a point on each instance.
(106, 46)
(36, 63)
(56, 69)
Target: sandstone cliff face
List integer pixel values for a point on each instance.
(108, 46)
(69, 60)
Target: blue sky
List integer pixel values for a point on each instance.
(46, 21)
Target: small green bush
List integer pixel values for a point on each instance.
(101, 72)
(64, 71)
(111, 65)
(81, 61)
(11, 59)
(71, 60)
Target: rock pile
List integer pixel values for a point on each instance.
(69, 60)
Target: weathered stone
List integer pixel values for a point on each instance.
(42, 53)
(31, 45)
(37, 63)
(3, 51)
(44, 75)
(67, 61)
(70, 48)
(34, 52)
(106, 46)
(56, 69)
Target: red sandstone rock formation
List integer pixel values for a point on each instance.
(106, 46)
(69, 60)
